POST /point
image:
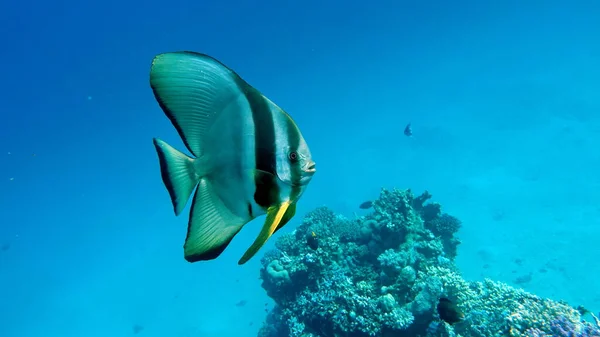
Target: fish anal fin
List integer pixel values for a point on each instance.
(289, 214)
(211, 226)
(274, 216)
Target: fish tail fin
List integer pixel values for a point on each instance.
(178, 175)
(211, 225)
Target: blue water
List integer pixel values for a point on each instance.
(502, 96)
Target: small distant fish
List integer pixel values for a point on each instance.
(408, 130)
(5, 247)
(241, 303)
(249, 157)
(366, 205)
(312, 241)
(137, 329)
(582, 310)
(523, 279)
(448, 311)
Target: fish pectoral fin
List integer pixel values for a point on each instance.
(289, 214)
(211, 226)
(275, 214)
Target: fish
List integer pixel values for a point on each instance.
(241, 303)
(312, 241)
(137, 329)
(366, 205)
(582, 310)
(248, 156)
(408, 130)
(448, 311)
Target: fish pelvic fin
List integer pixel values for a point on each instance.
(289, 214)
(178, 175)
(211, 225)
(275, 215)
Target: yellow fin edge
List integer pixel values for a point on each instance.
(274, 216)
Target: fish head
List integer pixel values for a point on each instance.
(295, 164)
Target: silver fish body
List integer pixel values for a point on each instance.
(249, 158)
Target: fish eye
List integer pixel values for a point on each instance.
(293, 156)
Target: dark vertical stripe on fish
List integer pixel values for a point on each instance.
(267, 190)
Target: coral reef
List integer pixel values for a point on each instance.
(383, 275)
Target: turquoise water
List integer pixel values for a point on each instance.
(502, 97)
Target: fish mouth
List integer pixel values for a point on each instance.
(310, 168)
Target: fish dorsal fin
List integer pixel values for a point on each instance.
(193, 89)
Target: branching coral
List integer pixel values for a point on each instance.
(383, 274)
